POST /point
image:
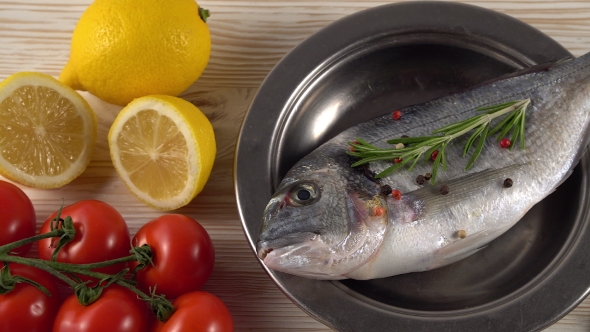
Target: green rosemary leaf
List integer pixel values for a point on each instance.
(522, 121)
(365, 143)
(377, 152)
(430, 151)
(501, 125)
(435, 168)
(443, 158)
(456, 127)
(498, 107)
(391, 169)
(416, 158)
(370, 160)
(354, 154)
(479, 148)
(471, 139)
(507, 127)
(410, 140)
(515, 134)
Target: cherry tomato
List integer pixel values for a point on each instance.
(195, 312)
(18, 216)
(26, 308)
(101, 234)
(183, 255)
(116, 310)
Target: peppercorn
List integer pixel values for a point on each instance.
(444, 189)
(461, 233)
(505, 143)
(396, 194)
(507, 183)
(386, 190)
(427, 176)
(396, 114)
(420, 179)
(379, 211)
(400, 146)
(433, 155)
(397, 160)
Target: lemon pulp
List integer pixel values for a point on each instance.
(163, 148)
(47, 131)
(154, 152)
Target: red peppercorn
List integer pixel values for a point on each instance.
(352, 149)
(396, 114)
(505, 143)
(433, 155)
(397, 160)
(379, 211)
(396, 194)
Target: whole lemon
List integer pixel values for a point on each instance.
(125, 49)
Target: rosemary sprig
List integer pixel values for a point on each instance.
(440, 138)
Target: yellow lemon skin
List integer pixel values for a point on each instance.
(125, 49)
(163, 149)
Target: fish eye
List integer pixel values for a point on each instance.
(304, 194)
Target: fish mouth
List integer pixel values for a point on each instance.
(297, 259)
(263, 252)
(308, 256)
(265, 247)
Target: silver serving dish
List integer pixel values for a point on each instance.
(371, 63)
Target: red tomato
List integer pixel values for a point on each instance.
(26, 308)
(116, 310)
(183, 255)
(18, 216)
(195, 312)
(101, 234)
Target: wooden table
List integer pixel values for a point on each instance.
(249, 38)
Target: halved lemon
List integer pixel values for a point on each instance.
(163, 148)
(47, 131)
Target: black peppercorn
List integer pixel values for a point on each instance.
(508, 183)
(386, 190)
(444, 189)
(427, 176)
(420, 179)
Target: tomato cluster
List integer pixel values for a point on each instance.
(182, 258)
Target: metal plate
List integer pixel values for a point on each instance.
(369, 64)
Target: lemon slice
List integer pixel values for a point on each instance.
(163, 149)
(47, 131)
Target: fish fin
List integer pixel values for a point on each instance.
(460, 188)
(462, 248)
(528, 70)
(357, 209)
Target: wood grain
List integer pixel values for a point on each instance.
(248, 39)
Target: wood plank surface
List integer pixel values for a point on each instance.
(248, 39)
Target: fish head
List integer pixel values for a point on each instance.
(322, 224)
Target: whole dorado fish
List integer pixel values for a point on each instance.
(328, 220)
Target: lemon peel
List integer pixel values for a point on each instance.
(121, 50)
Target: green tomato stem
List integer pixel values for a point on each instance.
(39, 264)
(162, 307)
(10, 246)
